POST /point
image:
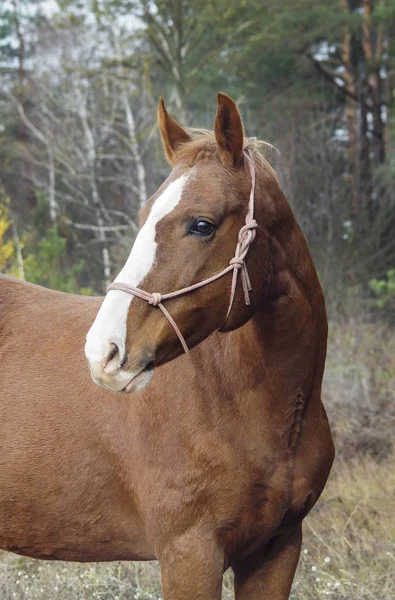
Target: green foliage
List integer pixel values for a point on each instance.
(43, 265)
(384, 289)
(16, 18)
(7, 249)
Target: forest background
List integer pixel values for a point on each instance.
(80, 153)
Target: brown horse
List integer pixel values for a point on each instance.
(217, 456)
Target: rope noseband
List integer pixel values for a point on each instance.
(237, 263)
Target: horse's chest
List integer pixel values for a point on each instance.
(260, 500)
(218, 485)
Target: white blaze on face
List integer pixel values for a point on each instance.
(110, 324)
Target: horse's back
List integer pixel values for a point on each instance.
(59, 492)
(41, 309)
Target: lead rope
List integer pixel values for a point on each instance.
(237, 264)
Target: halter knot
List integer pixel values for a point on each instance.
(247, 233)
(155, 299)
(236, 262)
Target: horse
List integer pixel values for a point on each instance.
(197, 436)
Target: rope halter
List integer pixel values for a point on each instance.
(236, 264)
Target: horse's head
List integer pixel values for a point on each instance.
(189, 232)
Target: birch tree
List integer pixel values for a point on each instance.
(86, 151)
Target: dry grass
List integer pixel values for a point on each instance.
(349, 537)
(349, 541)
(359, 389)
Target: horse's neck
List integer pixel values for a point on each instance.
(275, 350)
(253, 384)
(279, 353)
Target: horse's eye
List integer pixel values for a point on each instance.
(202, 227)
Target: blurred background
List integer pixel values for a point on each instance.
(80, 153)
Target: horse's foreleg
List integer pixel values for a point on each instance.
(192, 567)
(269, 575)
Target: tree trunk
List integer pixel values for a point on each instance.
(91, 155)
(134, 146)
(28, 125)
(18, 247)
(373, 58)
(351, 111)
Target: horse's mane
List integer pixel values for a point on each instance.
(203, 144)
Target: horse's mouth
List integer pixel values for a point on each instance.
(141, 379)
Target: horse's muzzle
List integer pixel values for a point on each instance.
(118, 379)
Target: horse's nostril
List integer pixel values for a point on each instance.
(111, 361)
(113, 353)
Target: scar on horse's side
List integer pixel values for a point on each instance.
(217, 455)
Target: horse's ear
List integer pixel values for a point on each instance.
(229, 131)
(171, 132)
